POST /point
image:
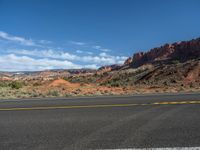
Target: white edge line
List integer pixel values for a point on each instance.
(167, 148)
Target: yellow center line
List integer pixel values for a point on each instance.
(175, 103)
(98, 106)
(68, 107)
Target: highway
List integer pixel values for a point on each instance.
(126, 122)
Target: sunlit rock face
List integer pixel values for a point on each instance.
(181, 51)
(128, 61)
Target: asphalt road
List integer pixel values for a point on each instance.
(148, 121)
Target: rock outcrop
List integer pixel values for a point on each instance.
(181, 51)
(128, 61)
(108, 68)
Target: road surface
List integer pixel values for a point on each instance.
(143, 121)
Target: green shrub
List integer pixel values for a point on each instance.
(3, 84)
(111, 83)
(34, 95)
(16, 85)
(175, 61)
(37, 84)
(115, 84)
(53, 93)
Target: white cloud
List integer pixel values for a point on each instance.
(105, 49)
(77, 43)
(103, 55)
(44, 57)
(93, 66)
(100, 59)
(45, 42)
(96, 47)
(104, 59)
(24, 63)
(84, 52)
(89, 53)
(46, 54)
(21, 40)
(79, 51)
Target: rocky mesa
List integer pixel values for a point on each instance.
(181, 51)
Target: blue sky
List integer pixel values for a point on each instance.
(49, 34)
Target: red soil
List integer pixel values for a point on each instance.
(62, 82)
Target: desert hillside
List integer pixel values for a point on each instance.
(169, 68)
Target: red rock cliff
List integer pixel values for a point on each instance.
(177, 51)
